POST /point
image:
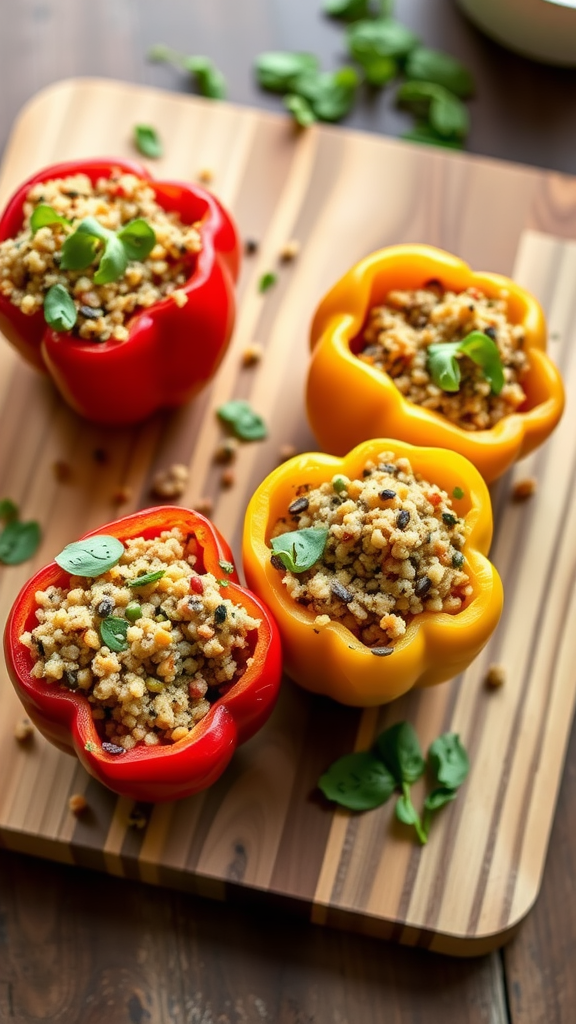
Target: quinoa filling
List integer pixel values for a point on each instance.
(185, 642)
(30, 262)
(393, 550)
(397, 335)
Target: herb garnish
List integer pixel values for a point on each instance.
(147, 141)
(43, 215)
(364, 780)
(444, 368)
(446, 113)
(91, 557)
(300, 549)
(149, 577)
(59, 309)
(19, 541)
(266, 281)
(209, 81)
(227, 567)
(242, 420)
(113, 632)
(133, 241)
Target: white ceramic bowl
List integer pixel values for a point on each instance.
(542, 29)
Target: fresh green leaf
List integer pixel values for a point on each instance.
(439, 798)
(91, 557)
(8, 510)
(426, 135)
(449, 761)
(379, 70)
(445, 113)
(380, 37)
(18, 542)
(209, 79)
(113, 262)
(279, 71)
(149, 577)
(242, 420)
(400, 751)
(300, 109)
(424, 65)
(349, 10)
(138, 239)
(113, 632)
(43, 215)
(408, 815)
(300, 549)
(266, 281)
(80, 248)
(443, 365)
(227, 567)
(358, 781)
(147, 141)
(330, 94)
(59, 310)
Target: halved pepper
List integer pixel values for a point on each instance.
(168, 771)
(349, 401)
(436, 645)
(172, 351)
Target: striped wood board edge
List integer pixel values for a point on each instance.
(262, 832)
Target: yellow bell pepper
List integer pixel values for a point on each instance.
(436, 645)
(349, 401)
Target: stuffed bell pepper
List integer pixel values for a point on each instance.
(121, 288)
(375, 568)
(411, 343)
(138, 650)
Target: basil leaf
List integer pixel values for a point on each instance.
(113, 262)
(381, 37)
(138, 239)
(278, 71)
(485, 353)
(330, 95)
(426, 135)
(442, 365)
(358, 781)
(113, 632)
(379, 70)
(18, 542)
(42, 215)
(59, 309)
(8, 510)
(348, 9)
(405, 811)
(449, 761)
(301, 112)
(149, 577)
(426, 65)
(80, 248)
(147, 141)
(300, 549)
(400, 751)
(439, 798)
(445, 112)
(242, 420)
(209, 79)
(91, 557)
(266, 281)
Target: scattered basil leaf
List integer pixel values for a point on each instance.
(347, 9)
(91, 557)
(300, 109)
(446, 114)
(113, 262)
(8, 510)
(329, 94)
(147, 141)
(227, 567)
(400, 751)
(439, 798)
(43, 215)
(242, 420)
(378, 70)
(300, 549)
(425, 65)
(408, 815)
(59, 309)
(113, 632)
(138, 238)
(444, 368)
(358, 781)
(449, 761)
(426, 135)
(149, 577)
(279, 71)
(266, 281)
(18, 542)
(380, 37)
(210, 81)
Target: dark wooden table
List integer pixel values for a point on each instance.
(77, 946)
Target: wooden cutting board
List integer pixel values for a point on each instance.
(262, 832)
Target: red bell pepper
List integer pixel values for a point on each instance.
(172, 351)
(169, 771)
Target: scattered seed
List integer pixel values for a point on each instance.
(171, 482)
(290, 250)
(381, 652)
(226, 450)
(524, 489)
(77, 803)
(228, 478)
(495, 677)
(252, 354)
(300, 505)
(340, 591)
(402, 519)
(24, 730)
(90, 313)
(457, 560)
(106, 607)
(206, 175)
(287, 451)
(250, 246)
(62, 471)
(121, 495)
(490, 332)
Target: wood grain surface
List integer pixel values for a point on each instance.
(261, 830)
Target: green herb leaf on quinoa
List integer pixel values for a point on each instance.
(19, 541)
(138, 238)
(113, 632)
(149, 577)
(43, 215)
(242, 420)
(444, 369)
(80, 248)
(59, 310)
(300, 549)
(113, 262)
(147, 141)
(91, 557)
(133, 241)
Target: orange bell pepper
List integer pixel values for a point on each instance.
(436, 645)
(350, 401)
